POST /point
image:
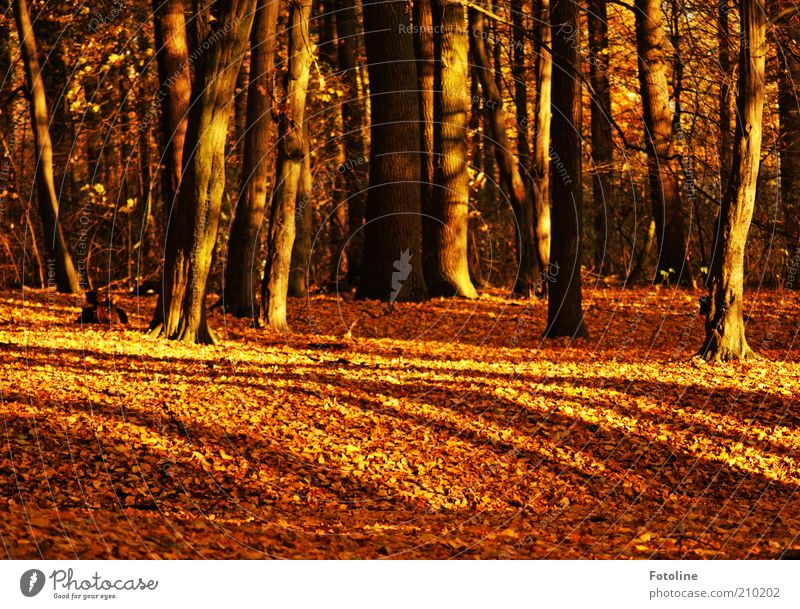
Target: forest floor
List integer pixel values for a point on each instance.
(443, 429)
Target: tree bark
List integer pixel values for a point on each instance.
(446, 267)
(673, 256)
(174, 77)
(392, 266)
(355, 179)
(540, 161)
(304, 214)
(244, 243)
(60, 268)
(725, 330)
(425, 53)
(510, 177)
(789, 134)
(291, 155)
(602, 143)
(192, 233)
(726, 94)
(564, 305)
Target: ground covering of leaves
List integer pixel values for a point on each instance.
(443, 429)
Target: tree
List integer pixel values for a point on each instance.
(726, 91)
(192, 232)
(174, 77)
(564, 304)
(303, 217)
(392, 269)
(725, 330)
(540, 160)
(602, 143)
(243, 262)
(665, 196)
(59, 266)
(446, 268)
(352, 138)
(788, 36)
(291, 154)
(508, 165)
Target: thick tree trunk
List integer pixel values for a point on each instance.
(243, 263)
(355, 179)
(192, 233)
(60, 268)
(304, 215)
(725, 331)
(540, 161)
(291, 155)
(510, 177)
(446, 268)
(392, 266)
(602, 144)
(564, 306)
(673, 259)
(174, 77)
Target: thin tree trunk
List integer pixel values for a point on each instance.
(726, 94)
(508, 165)
(60, 268)
(192, 234)
(725, 330)
(564, 305)
(355, 179)
(174, 77)
(425, 52)
(540, 162)
(291, 155)
(392, 266)
(789, 141)
(673, 257)
(304, 215)
(602, 144)
(446, 267)
(243, 263)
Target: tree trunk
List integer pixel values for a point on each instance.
(508, 165)
(725, 330)
(789, 141)
(425, 53)
(192, 233)
(446, 267)
(602, 143)
(726, 100)
(564, 306)
(673, 259)
(174, 77)
(540, 162)
(304, 215)
(392, 266)
(353, 139)
(291, 155)
(243, 264)
(60, 268)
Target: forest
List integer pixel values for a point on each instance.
(498, 279)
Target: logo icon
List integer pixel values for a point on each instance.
(402, 269)
(31, 582)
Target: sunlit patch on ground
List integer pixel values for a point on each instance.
(445, 429)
